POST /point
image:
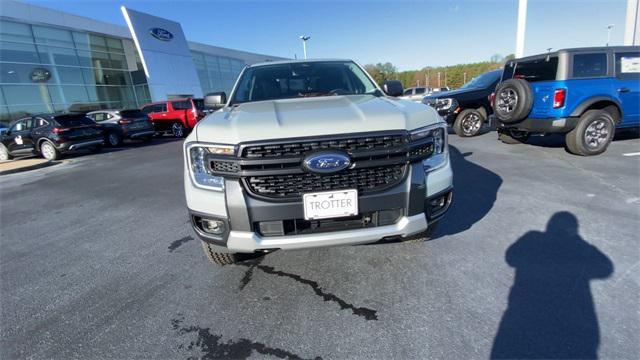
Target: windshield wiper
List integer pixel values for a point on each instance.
(314, 93)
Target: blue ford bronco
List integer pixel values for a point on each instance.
(584, 93)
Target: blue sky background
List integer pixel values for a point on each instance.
(409, 34)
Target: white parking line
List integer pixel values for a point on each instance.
(632, 154)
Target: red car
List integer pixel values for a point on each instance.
(176, 116)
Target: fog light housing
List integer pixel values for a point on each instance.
(271, 228)
(215, 227)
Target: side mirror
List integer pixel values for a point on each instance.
(215, 100)
(392, 87)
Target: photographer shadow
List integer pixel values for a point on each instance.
(551, 312)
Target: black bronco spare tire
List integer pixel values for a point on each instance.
(513, 100)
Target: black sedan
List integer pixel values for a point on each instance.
(50, 136)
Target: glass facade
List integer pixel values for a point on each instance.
(216, 73)
(50, 69)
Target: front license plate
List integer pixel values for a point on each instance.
(330, 204)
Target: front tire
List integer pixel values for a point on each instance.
(593, 133)
(48, 151)
(221, 256)
(468, 123)
(178, 130)
(4, 153)
(113, 139)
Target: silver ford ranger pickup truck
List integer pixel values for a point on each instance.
(313, 153)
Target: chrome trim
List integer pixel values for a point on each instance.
(85, 144)
(247, 241)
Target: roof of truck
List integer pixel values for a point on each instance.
(581, 49)
(295, 61)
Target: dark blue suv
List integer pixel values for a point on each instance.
(585, 93)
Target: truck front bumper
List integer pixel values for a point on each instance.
(248, 241)
(421, 199)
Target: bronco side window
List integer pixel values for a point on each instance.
(628, 65)
(589, 65)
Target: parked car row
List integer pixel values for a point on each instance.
(53, 135)
(584, 93)
(50, 136)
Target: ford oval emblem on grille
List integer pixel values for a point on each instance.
(161, 34)
(326, 162)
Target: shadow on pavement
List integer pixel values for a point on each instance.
(475, 189)
(551, 313)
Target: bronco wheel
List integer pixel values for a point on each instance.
(113, 139)
(48, 151)
(177, 129)
(593, 133)
(220, 256)
(4, 153)
(468, 123)
(513, 100)
(512, 136)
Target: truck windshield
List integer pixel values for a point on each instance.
(301, 79)
(482, 81)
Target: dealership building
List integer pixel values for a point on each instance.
(51, 61)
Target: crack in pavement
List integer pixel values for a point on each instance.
(212, 347)
(177, 243)
(248, 275)
(368, 314)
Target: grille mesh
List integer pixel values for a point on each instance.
(225, 166)
(294, 185)
(301, 148)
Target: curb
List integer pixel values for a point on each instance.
(31, 167)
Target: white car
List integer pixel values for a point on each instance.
(313, 153)
(415, 93)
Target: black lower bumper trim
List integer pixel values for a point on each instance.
(552, 125)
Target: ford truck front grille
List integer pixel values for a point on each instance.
(274, 169)
(366, 180)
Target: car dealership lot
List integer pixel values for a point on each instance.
(97, 260)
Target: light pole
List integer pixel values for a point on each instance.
(609, 27)
(304, 44)
(522, 20)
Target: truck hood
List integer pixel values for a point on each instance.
(302, 117)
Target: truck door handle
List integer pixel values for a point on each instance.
(624, 89)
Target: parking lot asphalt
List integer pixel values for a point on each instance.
(538, 257)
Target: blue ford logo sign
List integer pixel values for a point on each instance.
(326, 162)
(161, 34)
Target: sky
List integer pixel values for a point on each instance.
(409, 34)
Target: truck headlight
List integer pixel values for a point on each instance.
(197, 163)
(440, 155)
(444, 104)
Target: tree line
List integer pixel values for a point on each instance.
(452, 76)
